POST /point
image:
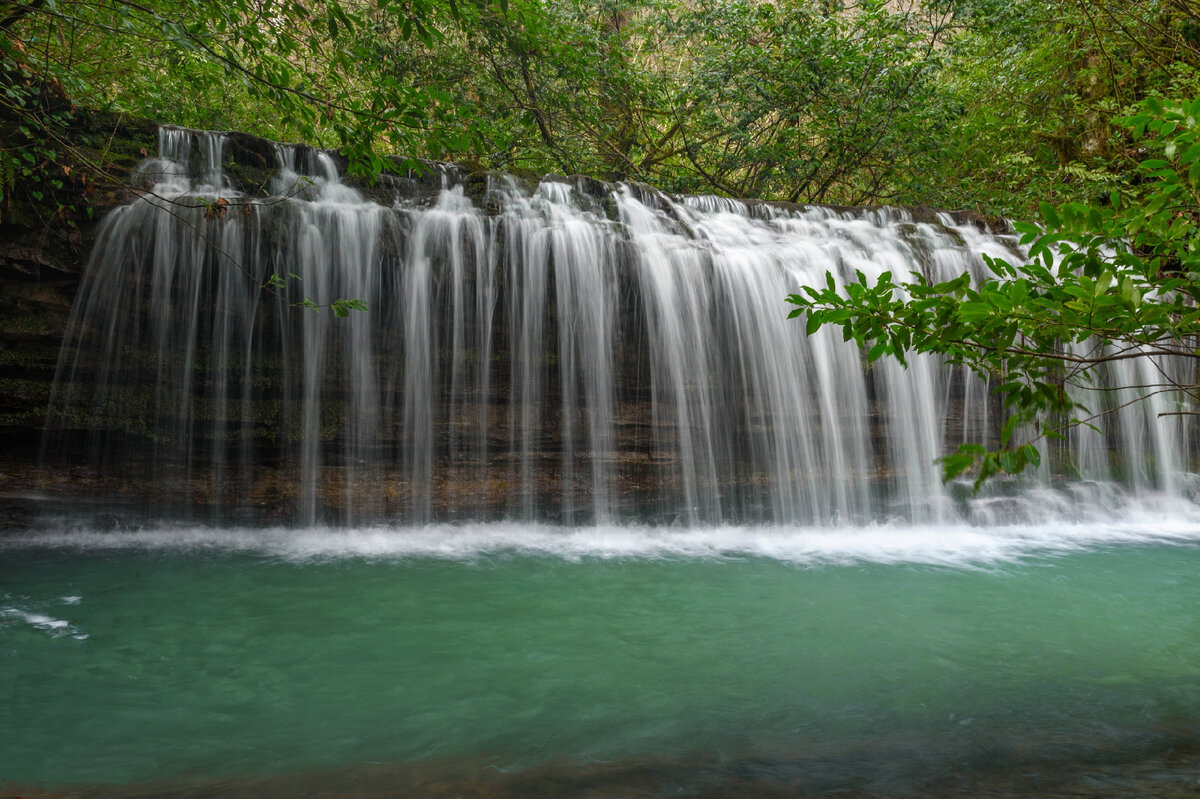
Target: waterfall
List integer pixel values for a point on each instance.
(575, 352)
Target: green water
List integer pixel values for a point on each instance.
(122, 664)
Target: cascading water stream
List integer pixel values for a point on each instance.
(580, 352)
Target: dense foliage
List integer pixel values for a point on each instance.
(990, 104)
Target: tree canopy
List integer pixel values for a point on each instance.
(979, 104)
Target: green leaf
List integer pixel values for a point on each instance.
(966, 456)
(973, 311)
(1189, 155)
(343, 307)
(1050, 215)
(1010, 424)
(1031, 454)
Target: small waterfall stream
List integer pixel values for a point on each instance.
(577, 352)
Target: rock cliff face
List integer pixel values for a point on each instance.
(47, 226)
(46, 238)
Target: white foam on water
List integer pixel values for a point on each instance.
(959, 544)
(55, 627)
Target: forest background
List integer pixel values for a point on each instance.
(992, 105)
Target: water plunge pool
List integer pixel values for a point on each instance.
(881, 660)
